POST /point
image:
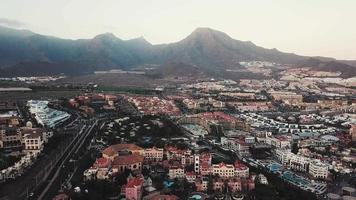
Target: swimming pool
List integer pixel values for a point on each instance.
(295, 179)
(274, 167)
(196, 197)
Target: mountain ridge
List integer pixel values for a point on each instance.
(206, 48)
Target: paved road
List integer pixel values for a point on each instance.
(72, 149)
(18, 189)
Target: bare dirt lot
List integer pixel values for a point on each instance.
(119, 80)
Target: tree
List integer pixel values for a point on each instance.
(210, 185)
(295, 148)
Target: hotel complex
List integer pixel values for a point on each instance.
(46, 116)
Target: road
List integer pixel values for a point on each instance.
(72, 150)
(22, 186)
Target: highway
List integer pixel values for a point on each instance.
(72, 149)
(22, 186)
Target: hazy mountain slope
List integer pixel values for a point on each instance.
(24, 52)
(174, 69)
(102, 52)
(216, 50)
(329, 66)
(349, 62)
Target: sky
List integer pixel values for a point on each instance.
(305, 27)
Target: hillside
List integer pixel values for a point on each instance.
(23, 52)
(329, 66)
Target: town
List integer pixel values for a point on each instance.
(208, 139)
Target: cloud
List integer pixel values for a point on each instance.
(12, 23)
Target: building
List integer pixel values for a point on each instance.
(234, 185)
(9, 120)
(205, 169)
(286, 97)
(219, 120)
(176, 172)
(241, 170)
(46, 116)
(283, 156)
(173, 153)
(202, 163)
(127, 161)
(280, 142)
(248, 184)
(250, 140)
(163, 197)
(187, 159)
(353, 132)
(190, 176)
(298, 163)
(204, 104)
(33, 142)
(133, 189)
(10, 137)
(196, 163)
(234, 144)
(349, 191)
(201, 184)
(153, 105)
(262, 179)
(153, 154)
(113, 151)
(115, 160)
(331, 103)
(87, 111)
(28, 139)
(289, 159)
(46, 135)
(99, 170)
(318, 170)
(223, 170)
(251, 106)
(218, 184)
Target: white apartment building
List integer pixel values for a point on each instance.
(33, 143)
(298, 163)
(234, 144)
(279, 142)
(317, 169)
(291, 160)
(283, 156)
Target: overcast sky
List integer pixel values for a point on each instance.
(307, 27)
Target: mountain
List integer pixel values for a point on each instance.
(211, 48)
(178, 69)
(23, 52)
(349, 62)
(19, 52)
(329, 66)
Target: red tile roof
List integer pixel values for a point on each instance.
(240, 166)
(134, 182)
(190, 174)
(127, 160)
(217, 116)
(113, 149)
(102, 162)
